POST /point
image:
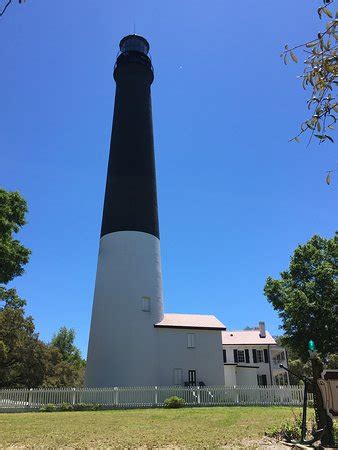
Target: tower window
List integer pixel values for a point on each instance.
(146, 304)
(191, 340)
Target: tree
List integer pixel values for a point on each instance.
(13, 255)
(320, 73)
(306, 297)
(70, 369)
(26, 361)
(20, 350)
(64, 341)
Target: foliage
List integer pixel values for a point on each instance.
(20, 349)
(290, 429)
(60, 373)
(13, 255)
(64, 341)
(50, 407)
(320, 74)
(306, 297)
(174, 402)
(26, 361)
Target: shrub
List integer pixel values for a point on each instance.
(288, 430)
(69, 407)
(174, 402)
(48, 408)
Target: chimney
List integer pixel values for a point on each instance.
(262, 333)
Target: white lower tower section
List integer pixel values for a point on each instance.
(127, 303)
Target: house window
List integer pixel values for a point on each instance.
(262, 380)
(260, 356)
(224, 356)
(146, 304)
(191, 340)
(241, 356)
(178, 377)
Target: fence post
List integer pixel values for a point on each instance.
(73, 396)
(156, 397)
(116, 392)
(198, 395)
(30, 397)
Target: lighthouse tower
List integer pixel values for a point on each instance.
(128, 289)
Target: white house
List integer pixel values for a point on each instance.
(252, 358)
(190, 350)
(197, 350)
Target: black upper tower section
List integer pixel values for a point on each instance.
(130, 202)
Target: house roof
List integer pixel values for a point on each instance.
(191, 321)
(244, 337)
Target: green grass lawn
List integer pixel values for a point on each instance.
(147, 428)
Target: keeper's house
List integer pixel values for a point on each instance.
(252, 358)
(197, 350)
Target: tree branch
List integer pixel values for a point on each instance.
(5, 7)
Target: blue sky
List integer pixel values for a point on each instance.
(235, 198)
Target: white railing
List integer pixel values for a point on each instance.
(141, 397)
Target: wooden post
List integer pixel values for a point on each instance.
(322, 419)
(116, 392)
(30, 397)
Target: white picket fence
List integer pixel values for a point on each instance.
(148, 397)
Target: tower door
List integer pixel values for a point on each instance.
(192, 377)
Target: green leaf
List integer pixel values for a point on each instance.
(311, 44)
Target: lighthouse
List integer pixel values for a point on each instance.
(128, 299)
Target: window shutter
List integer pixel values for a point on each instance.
(235, 356)
(254, 355)
(224, 356)
(247, 356)
(266, 355)
(264, 380)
